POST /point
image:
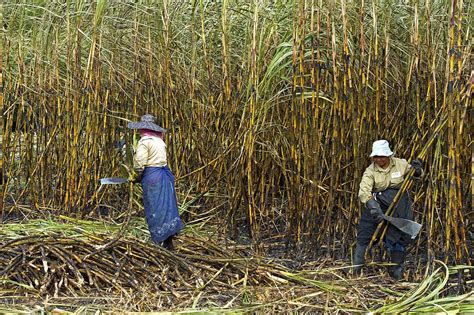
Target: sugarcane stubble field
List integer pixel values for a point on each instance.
(271, 109)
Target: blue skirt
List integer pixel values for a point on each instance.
(159, 200)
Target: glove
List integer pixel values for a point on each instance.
(136, 178)
(375, 210)
(417, 164)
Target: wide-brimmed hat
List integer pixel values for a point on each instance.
(381, 148)
(147, 121)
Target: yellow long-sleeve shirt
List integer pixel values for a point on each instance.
(151, 151)
(376, 179)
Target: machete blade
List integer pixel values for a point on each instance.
(113, 180)
(410, 227)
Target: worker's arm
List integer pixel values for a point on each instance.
(366, 186)
(141, 157)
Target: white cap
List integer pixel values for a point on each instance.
(381, 148)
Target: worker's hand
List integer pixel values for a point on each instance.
(136, 178)
(417, 164)
(375, 210)
(133, 176)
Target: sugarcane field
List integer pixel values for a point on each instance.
(237, 156)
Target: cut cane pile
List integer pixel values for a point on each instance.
(65, 265)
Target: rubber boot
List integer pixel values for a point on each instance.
(398, 258)
(359, 258)
(168, 243)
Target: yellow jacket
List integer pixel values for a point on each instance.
(151, 151)
(376, 179)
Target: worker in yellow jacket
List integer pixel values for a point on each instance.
(379, 186)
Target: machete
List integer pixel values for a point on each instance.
(408, 226)
(113, 180)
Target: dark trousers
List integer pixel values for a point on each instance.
(394, 239)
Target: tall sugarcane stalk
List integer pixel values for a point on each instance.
(271, 107)
(2, 184)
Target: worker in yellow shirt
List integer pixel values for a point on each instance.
(379, 186)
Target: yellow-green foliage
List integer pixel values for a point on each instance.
(271, 105)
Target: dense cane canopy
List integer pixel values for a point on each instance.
(271, 109)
